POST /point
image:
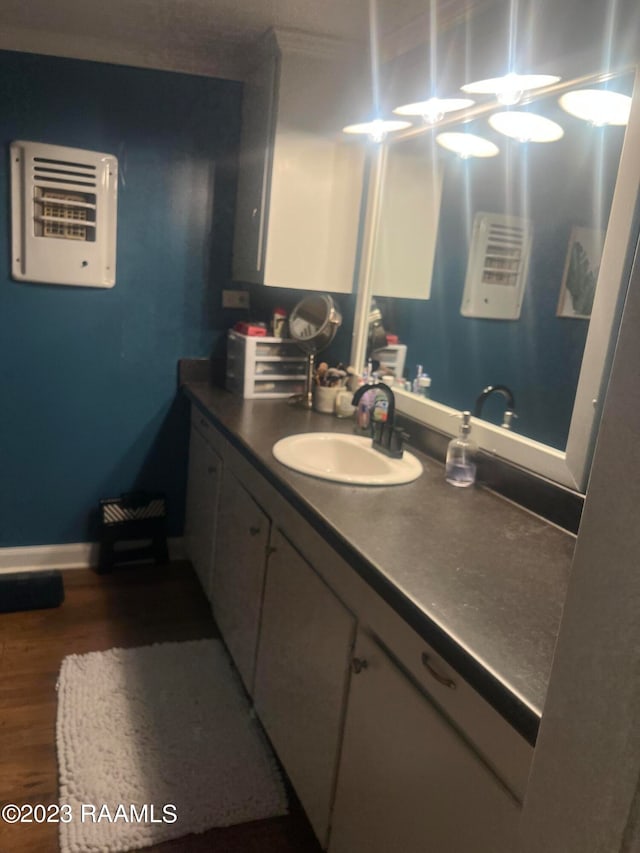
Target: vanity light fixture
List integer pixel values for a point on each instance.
(467, 144)
(434, 109)
(597, 106)
(377, 129)
(510, 88)
(526, 127)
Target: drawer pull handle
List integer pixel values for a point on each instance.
(254, 531)
(441, 679)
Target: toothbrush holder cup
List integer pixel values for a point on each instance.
(324, 398)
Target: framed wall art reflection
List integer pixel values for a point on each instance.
(580, 276)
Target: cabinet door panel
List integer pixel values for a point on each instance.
(299, 184)
(408, 783)
(238, 580)
(301, 676)
(205, 468)
(254, 167)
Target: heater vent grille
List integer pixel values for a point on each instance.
(64, 215)
(503, 256)
(498, 266)
(64, 172)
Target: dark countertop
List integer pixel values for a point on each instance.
(482, 580)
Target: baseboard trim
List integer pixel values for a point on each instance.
(74, 555)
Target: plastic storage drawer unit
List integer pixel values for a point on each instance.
(263, 367)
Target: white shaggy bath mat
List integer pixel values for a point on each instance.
(157, 742)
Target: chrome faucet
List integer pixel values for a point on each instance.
(506, 393)
(387, 438)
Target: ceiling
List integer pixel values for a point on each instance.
(196, 36)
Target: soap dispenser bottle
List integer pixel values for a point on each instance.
(461, 456)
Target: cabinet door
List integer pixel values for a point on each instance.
(205, 468)
(408, 783)
(301, 676)
(299, 184)
(238, 580)
(254, 171)
(316, 179)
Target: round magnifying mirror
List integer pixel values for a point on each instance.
(313, 324)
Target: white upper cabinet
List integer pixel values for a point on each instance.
(300, 181)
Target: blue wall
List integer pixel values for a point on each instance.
(88, 404)
(557, 186)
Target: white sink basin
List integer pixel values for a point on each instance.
(344, 459)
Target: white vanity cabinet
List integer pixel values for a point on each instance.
(240, 557)
(408, 782)
(388, 749)
(203, 485)
(300, 180)
(304, 651)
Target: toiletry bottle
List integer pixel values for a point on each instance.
(415, 385)
(461, 456)
(343, 406)
(424, 385)
(279, 323)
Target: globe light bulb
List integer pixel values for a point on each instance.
(377, 132)
(526, 126)
(467, 145)
(510, 91)
(433, 111)
(599, 107)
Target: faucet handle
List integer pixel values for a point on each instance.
(390, 441)
(507, 418)
(400, 436)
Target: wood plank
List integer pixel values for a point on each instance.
(131, 607)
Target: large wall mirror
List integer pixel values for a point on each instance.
(507, 269)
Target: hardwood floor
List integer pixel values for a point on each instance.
(130, 607)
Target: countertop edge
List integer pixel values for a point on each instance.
(520, 715)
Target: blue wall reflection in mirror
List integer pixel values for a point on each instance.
(559, 186)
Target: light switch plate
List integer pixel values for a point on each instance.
(235, 299)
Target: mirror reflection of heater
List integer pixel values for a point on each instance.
(498, 266)
(520, 245)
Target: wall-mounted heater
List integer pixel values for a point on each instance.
(63, 205)
(498, 266)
